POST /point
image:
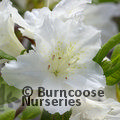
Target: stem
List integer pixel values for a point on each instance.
(41, 115)
(48, 3)
(118, 91)
(19, 110)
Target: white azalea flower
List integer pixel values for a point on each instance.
(64, 10)
(67, 9)
(100, 16)
(97, 110)
(62, 60)
(8, 40)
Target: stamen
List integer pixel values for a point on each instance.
(56, 73)
(53, 57)
(66, 78)
(75, 61)
(69, 64)
(59, 58)
(48, 67)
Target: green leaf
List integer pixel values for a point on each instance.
(9, 115)
(23, 51)
(4, 55)
(112, 68)
(115, 53)
(106, 65)
(9, 93)
(47, 116)
(115, 40)
(30, 112)
(103, 1)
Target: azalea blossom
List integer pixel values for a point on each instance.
(100, 16)
(62, 60)
(64, 10)
(108, 109)
(8, 40)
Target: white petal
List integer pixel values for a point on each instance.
(8, 39)
(8, 42)
(110, 117)
(7, 7)
(69, 8)
(97, 110)
(87, 38)
(48, 35)
(91, 110)
(64, 10)
(35, 20)
(29, 70)
(36, 16)
(100, 16)
(88, 77)
(115, 106)
(54, 30)
(57, 84)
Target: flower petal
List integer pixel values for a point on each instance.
(8, 42)
(69, 8)
(55, 84)
(27, 70)
(100, 16)
(88, 77)
(97, 110)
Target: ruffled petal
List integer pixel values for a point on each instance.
(8, 42)
(100, 16)
(29, 70)
(70, 9)
(54, 84)
(97, 110)
(88, 77)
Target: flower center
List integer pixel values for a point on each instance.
(63, 59)
(56, 73)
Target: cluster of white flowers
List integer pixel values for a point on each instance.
(66, 42)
